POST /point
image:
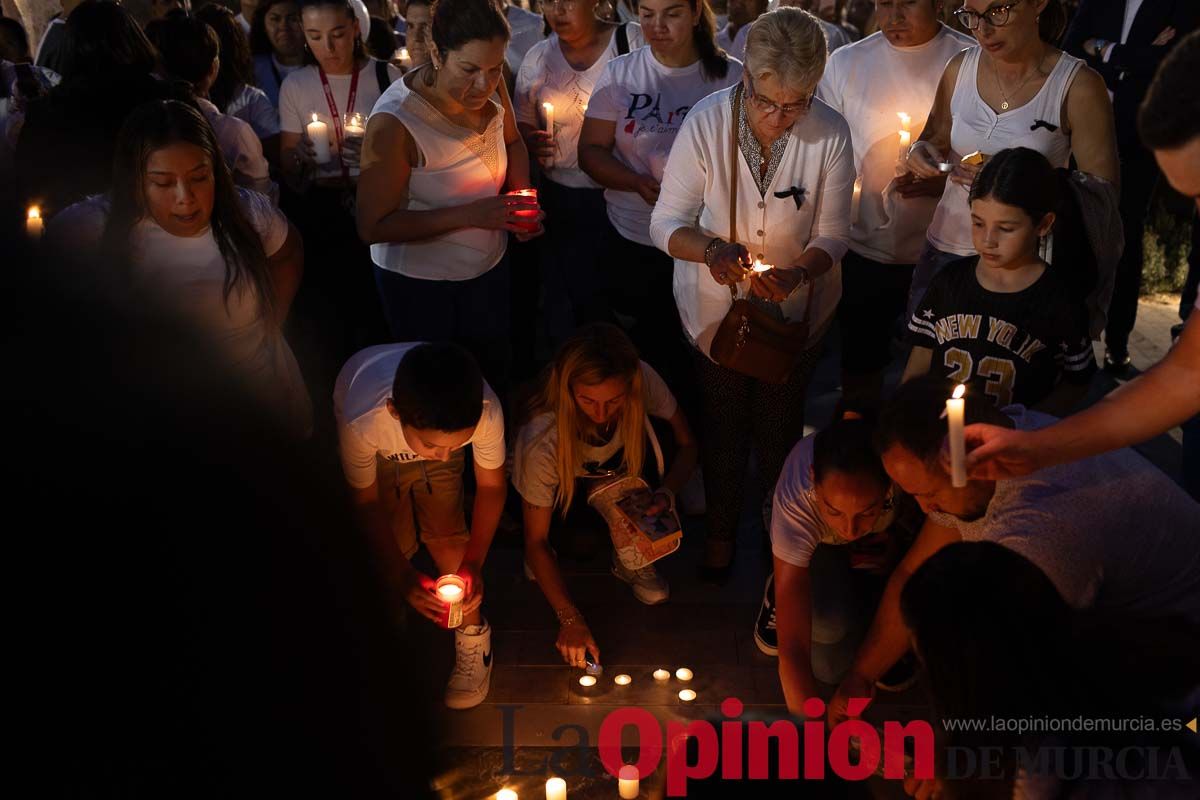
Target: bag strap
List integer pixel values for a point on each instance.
(733, 174)
(623, 38)
(382, 76)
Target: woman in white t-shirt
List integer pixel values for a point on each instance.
(442, 147)
(562, 70)
(590, 424)
(1015, 90)
(634, 115)
(221, 256)
(338, 310)
(277, 45)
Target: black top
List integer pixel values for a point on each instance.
(1013, 346)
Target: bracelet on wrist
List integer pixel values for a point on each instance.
(568, 616)
(711, 248)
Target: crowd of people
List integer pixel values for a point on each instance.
(592, 242)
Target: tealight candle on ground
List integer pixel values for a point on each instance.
(318, 132)
(661, 674)
(627, 782)
(687, 695)
(955, 408)
(683, 674)
(556, 789)
(587, 680)
(622, 680)
(506, 794)
(34, 224)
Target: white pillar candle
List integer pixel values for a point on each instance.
(556, 789)
(34, 224)
(955, 406)
(683, 674)
(506, 794)
(627, 782)
(687, 695)
(661, 674)
(587, 680)
(319, 133)
(548, 108)
(622, 680)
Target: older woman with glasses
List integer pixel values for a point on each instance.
(786, 158)
(1016, 89)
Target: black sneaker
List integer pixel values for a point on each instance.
(901, 676)
(1117, 362)
(765, 635)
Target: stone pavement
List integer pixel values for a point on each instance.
(536, 705)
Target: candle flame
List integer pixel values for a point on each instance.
(314, 117)
(548, 106)
(761, 267)
(506, 794)
(959, 391)
(905, 119)
(35, 212)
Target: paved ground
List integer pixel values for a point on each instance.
(536, 705)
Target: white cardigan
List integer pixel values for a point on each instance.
(695, 193)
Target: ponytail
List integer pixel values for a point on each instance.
(714, 61)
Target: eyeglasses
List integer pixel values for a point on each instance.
(996, 16)
(770, 106)
(568, 6)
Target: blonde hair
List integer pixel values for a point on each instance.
(789, 44)
(594, 354)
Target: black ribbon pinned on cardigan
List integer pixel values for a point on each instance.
(1041, 123)
(796, 193)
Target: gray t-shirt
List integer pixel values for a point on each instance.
(1112, 531)
(797, 526)
(535, 459)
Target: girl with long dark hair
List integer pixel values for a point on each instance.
(276, 45)
(233, 92)
(222, 256)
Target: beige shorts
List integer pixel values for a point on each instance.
(425, 500)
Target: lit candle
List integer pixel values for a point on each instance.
(661, 674)
(319, 133)
(506, 794)
(905, 141)
(587, 680)
(955, 407)
(905, 120)
(450, 590)
(548, 108)
(683, 674)
(34, 224)
(355, 125)
(856, 200)
(687, 695)
(556, 789)
(622, 680)
(405, 58)
(528, 217)
(627, 782)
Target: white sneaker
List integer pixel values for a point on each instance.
(648, 586)
(472, 675)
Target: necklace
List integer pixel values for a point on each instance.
(996, 74)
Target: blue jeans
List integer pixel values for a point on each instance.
(929, 264)
(843, 604)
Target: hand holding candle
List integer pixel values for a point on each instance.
(451, 590)
(955, 410)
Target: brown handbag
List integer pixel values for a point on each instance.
(750, 340)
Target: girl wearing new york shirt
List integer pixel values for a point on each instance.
(634, 115)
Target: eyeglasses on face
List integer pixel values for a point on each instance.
(768, 106)
(996, 16)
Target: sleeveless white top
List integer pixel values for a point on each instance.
(457, 166)
(975, 126)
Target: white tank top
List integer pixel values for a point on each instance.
(975, 126)
(457, 166)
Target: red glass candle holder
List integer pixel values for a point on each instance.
(527, 220)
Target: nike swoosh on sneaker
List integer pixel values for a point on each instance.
(487, 658)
